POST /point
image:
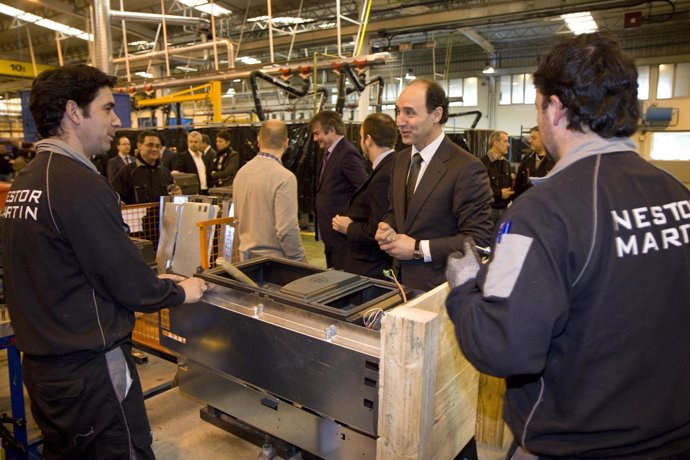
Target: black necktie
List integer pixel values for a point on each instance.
(412, 178)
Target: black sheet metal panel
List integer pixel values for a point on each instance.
(326, 365)
(332, 293)
(269, 414)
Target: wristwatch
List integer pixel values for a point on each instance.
(417, 254)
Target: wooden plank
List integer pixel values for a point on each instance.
(491, 429)
(406, 384)
(455, 390)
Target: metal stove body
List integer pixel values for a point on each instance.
(290, 357)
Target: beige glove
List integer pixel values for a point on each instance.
(462, 267)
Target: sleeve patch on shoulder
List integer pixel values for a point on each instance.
(509, 257)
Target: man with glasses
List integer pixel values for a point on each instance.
(144, 180)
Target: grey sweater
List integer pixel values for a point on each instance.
(265, 199)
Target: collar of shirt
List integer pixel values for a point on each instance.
(271, 156)
(380, 158)
(330, 149)
(494, 156)
(428, 152)
(595, 146)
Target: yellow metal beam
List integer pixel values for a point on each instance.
(21, 69)
(213, 94)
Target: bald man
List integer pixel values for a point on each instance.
(265, 198)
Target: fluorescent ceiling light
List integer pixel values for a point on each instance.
(43, 22)
(580, 23)
(184, 68)
(488, 69)
(280, 20)
(205, 7)
(248, 60)
(144, 74)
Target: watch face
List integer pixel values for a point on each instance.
(416, 255)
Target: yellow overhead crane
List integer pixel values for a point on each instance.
(210, 91)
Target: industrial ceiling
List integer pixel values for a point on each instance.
(439, 37)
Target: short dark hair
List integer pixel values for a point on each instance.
(595, 80)
(144, 134)
(435, 97)
(329, 121)
(223, 135)
(119, 138)
(381, 128)
(206, 139)
(53, 88)
(534, 128)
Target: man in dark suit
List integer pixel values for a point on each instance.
(369, 204)
(343, 170)
(122, 159)
(537, 163)
(207, 151)
(448, 196)
(193, 161)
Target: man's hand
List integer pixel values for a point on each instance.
(401, 248)
(385, 234)
(462, 266)
(506, 193)
(340, 224)
(194, 288)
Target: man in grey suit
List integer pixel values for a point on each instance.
(439, 193)
(343, 170)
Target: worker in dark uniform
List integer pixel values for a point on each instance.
(584, 307)
(145, 180)
(73, 278)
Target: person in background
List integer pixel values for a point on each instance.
(439, 193)
(583, 307)
(343, 170)
(537, 163)
(122, 159)
(145, 180)
(368, 205)
(168, 157)
(265, 199)
(73, 278)
(227, 162)
(500, 174)
(207, 150)
(193, 161)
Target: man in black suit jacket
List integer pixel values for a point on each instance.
(369, 204)
(193, 161)
(537, 163)
(119, 161)
(449, 200)
(207, 150)
(343, 170)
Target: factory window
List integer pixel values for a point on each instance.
(673, 81)
(643, 82)
(670, 146)
(516, 89)
(682, 80)
(462, 92)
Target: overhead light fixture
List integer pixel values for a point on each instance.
(580, 23)
(281, 20)
(205, 7)
(43, 22)
(488, 69)
(248, 60)
(185, 68)
(409, 75)
(144, 74)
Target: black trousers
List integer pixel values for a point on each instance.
(75, 403)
